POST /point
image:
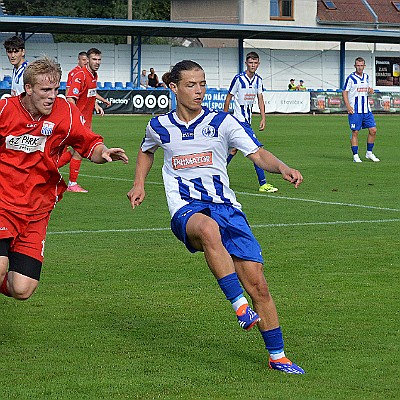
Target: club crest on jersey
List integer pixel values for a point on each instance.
(208, 131)
(75, 91)
(47, 128)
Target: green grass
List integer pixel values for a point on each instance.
(124, 311)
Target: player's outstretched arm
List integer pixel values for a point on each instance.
(102, 154)
(268, 162)
(144, 163)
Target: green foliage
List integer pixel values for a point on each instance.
(123, 310)
(114, 9)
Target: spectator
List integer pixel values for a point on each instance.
(291, 85)
(301, 86)
(144, 83)
(153, 80)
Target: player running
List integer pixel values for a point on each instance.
(205, 213)
(35, 127)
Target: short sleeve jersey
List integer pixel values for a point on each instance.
(195, 155)
(17, 82)
(30, 182)
(71, 75)
(245, 91)
(83, 89)
(357, 88)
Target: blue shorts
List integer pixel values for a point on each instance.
(236, 235)
(361, 121)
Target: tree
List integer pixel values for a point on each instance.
(114, 9)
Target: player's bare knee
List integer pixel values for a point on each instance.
(23, 293)
(208, 231)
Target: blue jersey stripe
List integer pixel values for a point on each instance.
(160, 130)
(183, 189)
(219, 189)
(198, 185)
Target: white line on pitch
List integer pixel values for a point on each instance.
(320, 202)
(266, 195)
(252, 226)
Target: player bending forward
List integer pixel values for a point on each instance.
(35, 127)
(205, 213)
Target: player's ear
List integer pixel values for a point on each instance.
(28, 88)
(173, 87)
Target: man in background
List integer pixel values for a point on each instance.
(291, 85)
(355, 95)
(301, 86)
(144, 82)
(15, 49)
(83, 93)
(245, 88)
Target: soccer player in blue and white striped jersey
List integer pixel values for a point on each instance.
(15, 49)
(355, 95)
(205, 214)
(244, 89)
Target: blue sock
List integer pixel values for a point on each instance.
(273, 340)
(231, 287)
(370, 146)
(260, 175)
(354, 149)
(229, 159)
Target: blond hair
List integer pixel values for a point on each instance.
(42, 66)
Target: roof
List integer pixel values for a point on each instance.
(357, 12)
(36, 38)
(123, 27)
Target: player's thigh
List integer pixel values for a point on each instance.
(3, 267)
(202, 230)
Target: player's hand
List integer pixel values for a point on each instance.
(350, 110)
(262, 125)
(136, 196)
(98, 109)
(370, 90)
(293, 176)
(115, 154)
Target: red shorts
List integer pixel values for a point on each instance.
(28, 232)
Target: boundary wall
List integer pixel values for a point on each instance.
(318, 69)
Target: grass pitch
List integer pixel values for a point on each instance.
(124, 311)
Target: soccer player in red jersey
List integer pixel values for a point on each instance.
(35, 127)
(82, 91)
(82, 61)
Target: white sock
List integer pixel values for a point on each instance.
(239, 303)
(277, 356)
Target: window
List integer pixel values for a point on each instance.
(281, 9)
(396, 5)
(330, 5)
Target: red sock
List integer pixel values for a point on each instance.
(3, 287)
(64, 159)
(74, 167)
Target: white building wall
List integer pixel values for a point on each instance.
(258, 12)
(319, 69)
